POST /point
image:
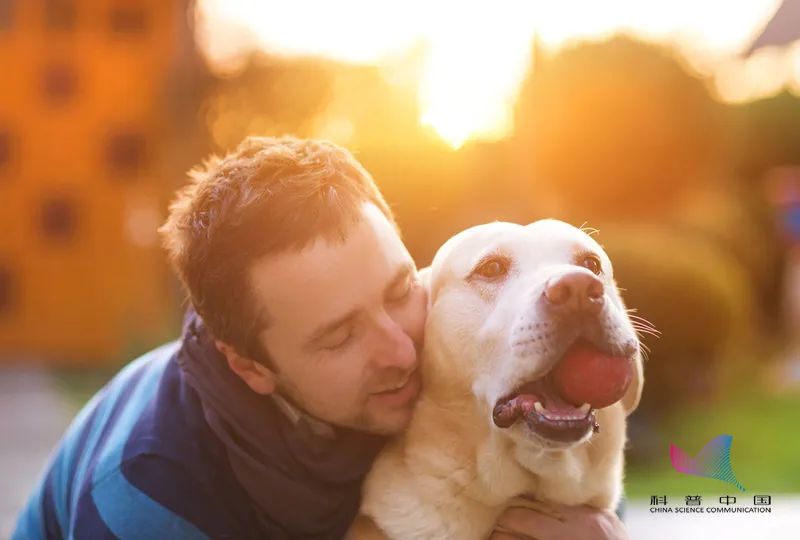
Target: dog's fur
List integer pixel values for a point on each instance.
(453, 472)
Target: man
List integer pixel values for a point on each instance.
(301, 358)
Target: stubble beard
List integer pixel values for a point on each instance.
(364, 421)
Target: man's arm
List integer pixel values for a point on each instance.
(568, 523)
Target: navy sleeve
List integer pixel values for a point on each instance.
(152, 497)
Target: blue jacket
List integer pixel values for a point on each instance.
(140, 461)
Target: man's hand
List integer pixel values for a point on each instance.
(564, 523)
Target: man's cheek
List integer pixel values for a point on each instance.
(336, 391)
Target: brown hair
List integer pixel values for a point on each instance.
(268, 195)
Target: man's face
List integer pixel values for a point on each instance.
(345, 324)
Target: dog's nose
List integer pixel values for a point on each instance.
(575, 291)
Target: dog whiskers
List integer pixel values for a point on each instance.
(641, 320)
(645, 352)
(655, 333)
(645, 327)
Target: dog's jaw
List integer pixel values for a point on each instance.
(537, 343)
(581, 473)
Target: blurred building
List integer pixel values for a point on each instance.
(97, 107)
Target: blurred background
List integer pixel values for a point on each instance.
(673, 128)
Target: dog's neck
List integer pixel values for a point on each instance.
(447, 411)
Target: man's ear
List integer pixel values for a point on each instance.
(259, 378)
(425, 280)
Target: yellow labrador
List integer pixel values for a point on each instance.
(506, 304)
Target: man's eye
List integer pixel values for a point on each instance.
(403, 293)
(338, 339)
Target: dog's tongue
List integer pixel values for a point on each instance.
(588, 375)
(506, 412)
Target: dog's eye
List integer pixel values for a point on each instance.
(492, 268)
(592, 262)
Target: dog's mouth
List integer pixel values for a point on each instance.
(561, 405)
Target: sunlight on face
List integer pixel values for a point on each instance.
(346, 322)
(477, 54)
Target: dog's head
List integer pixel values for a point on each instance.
(529, 320)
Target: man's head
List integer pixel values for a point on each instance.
(293, 259)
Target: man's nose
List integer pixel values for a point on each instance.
(575, 291)
(395, 348)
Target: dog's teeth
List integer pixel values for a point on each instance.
(538, 407)
(585, 408)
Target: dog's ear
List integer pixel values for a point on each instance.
(425, 280)
(634, 393)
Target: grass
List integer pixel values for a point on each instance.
(765, 452)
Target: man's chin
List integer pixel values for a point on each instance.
(390, 413)
(385, 413)
(378, 421)
(395, 422)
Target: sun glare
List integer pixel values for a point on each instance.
(477, 54)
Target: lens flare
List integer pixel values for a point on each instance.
(477, 54)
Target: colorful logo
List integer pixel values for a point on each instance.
(713, 461)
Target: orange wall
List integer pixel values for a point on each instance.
(85, 297)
